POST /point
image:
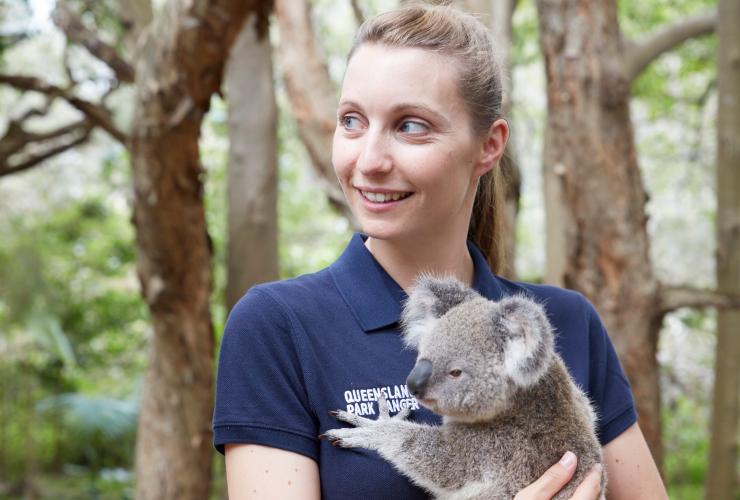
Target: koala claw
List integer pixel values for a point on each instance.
(333, 440)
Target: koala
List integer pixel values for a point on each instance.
(510, 409)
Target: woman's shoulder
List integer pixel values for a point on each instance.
(277, 298)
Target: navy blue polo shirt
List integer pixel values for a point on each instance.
(295, 349)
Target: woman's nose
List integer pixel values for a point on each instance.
(374, 157)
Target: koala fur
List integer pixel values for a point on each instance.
(510, 409)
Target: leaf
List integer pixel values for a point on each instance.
(47, 331)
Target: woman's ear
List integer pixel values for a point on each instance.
(494, 144)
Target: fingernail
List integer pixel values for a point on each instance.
(568, 459)
(333, 413)
(323, 436)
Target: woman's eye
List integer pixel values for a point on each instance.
(412, 127)
(455, 373)
(350, 122)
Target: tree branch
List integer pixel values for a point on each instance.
(640, 53)
(97, 114)
(357, 10)
(70, 23)
(48, 144)
(676, 297)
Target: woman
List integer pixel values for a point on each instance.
(416, 148)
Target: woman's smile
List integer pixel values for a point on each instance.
(380, 200)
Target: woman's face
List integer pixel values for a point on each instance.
(404, 151)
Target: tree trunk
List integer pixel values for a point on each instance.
(721, 479)
(180, 67)
(252, 255)
(312, 94)
(598, 194)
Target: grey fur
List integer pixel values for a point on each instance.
(508, 417)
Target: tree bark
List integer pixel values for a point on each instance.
(312, 94)
(252, 254)
(180, 67)
(723, 451)
(596, 192)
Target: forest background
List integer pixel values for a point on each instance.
(156, 159)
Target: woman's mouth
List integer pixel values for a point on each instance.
(384, 197)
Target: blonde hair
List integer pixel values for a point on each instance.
(466, 40)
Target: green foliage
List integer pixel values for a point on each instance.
(103, 18)
(98, 430)
(311, 235)
(525, 48)
(682, 75)
(72, 321)
(638, 17)
(686, 448)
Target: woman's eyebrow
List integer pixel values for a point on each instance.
(350, 103)
(416, 106)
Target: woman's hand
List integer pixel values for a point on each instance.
(557, 476)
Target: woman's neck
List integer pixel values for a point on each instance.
(404, 262)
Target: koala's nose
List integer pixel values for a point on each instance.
(419, 376)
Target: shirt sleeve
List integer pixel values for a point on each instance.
(609, 388)
(260, 392)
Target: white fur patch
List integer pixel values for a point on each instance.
(414, 330)
(518, 352)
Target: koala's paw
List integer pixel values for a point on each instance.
(366, 433)
(385, 413)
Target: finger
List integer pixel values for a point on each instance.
(590, 487)
(551, 481)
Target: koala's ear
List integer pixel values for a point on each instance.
(529, 347)
(428, 301)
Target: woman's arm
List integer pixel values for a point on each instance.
(261, 472)
(631, 469)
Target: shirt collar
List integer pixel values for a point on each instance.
(375, 298)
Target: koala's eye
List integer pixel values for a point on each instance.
(455, 373)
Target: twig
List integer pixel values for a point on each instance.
(16, 139)
(639, 54)
(72, 26)
(98, 114)
(676, 297)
